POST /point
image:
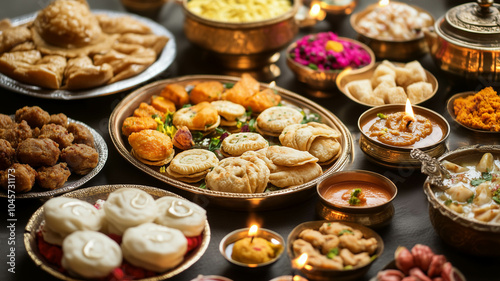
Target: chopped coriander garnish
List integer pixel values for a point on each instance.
(228, 85)
(470, 199)
(448, 202)
(203, 186)
(354, 199)
(381, 116)
(343, 231)
(333, 253)
(186, 105)
(496, 196)
(485, 176)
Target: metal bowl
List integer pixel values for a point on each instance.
(355, 273)
(324, 79)
(373, 216)
(467, 235)
(399, 156)
(242, 46)
(464, 42)
(91, 195)
(399, 50)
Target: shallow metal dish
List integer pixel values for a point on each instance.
(240, 201)
(324, 79)
(399, 50)
(348, 76)
(467, 235)
(74, 180)
(91, 195)
(322, 274)
(162, 62)
(451, 111)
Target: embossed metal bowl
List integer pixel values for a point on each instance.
(392, 156)
(242, 46)
(322, 274)
(372, 216)
(91, 195)
(464, 42)
(399, 50)
(324, 79)
(467, 235)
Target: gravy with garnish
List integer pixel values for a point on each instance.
(394, 130)
(371, 194)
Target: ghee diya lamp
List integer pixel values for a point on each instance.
(358, 196)
(308, 18)
(252, 247)
(390, 132)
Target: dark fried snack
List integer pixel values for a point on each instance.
(81, 134)
(7, 154)
(59, 119)
(53, 177)
(24, 177)
(17, 133)
(35, 116)
(5, 121)
(56, 133)
(81, 158)
(38, 152)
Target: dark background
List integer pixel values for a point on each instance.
(410, 224)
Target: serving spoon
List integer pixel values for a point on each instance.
(432, 168)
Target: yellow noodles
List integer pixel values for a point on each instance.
(239, 10)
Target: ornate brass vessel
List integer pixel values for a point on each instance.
(465, 41)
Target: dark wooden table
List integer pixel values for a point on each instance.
(409, 226)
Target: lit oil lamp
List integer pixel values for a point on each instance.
(297, 265)
(252, 247)
(308, 18)
(383, 3)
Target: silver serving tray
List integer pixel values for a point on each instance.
(163, 62)
(74, 180)
(236, 201)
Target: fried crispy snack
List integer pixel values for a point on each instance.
(201, 117)
(152, 147)
(273, 120)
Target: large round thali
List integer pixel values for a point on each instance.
(163, 61)
(239, 201)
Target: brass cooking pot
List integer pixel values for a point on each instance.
(465, 42)
(248, 45)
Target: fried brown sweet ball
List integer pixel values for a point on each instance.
(7, 154)
(5, 121)
(81, 134)
(59, 119)
(53, 177)
(16, 134)
(38, 152)
(56, 133)
(81, 158)
(24, 177)
(35, 116)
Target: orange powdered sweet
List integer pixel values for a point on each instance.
(479, 111)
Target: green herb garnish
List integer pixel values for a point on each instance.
(470, 199)
(186, 105)
(485, 176)
(354, 200)
(496, 196)
(448, 202)
(203, 186)
(343, 231)
(197, 136)
(228, 85)
(381, 116)
(333, 253)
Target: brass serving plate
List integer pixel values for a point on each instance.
(74, 180)
(467, 235)
(399, 156)
(399, 50)
(324, 79)
(451, 111)
(348, 76)
(91, 195)
(163, 61)
(321, 274)
(238, 201)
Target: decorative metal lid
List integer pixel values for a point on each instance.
(472, 25)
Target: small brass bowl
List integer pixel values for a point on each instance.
(392, 156)
(242, 46)
(147, 8)
(467, 235)
(398, 50)
(227, 243)
(324, 79)
(372, 216)
(322, 274)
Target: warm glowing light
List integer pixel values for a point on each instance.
(272, 84)
(383, 3)
(409, 110)
(253, 230)
(316, 13)
(299, 262)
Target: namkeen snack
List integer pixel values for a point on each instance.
(479, 111)
(239, 11)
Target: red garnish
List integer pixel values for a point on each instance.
(52, 253)
(193, 242)
(115, 237)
